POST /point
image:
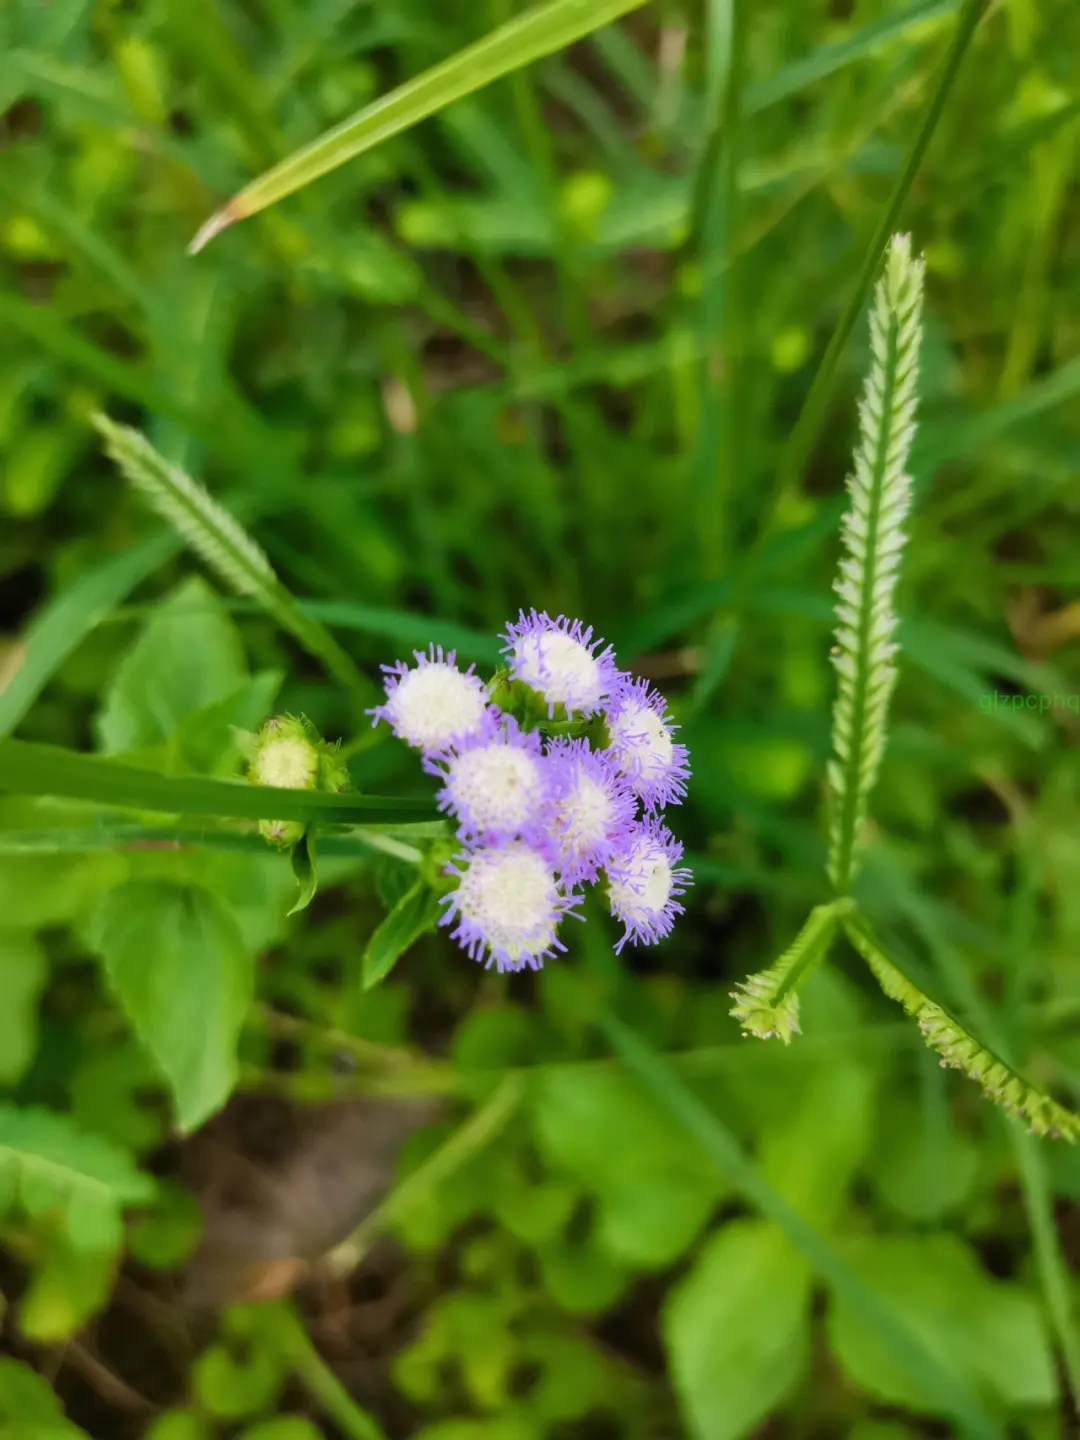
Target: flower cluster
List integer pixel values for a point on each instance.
(555, 775)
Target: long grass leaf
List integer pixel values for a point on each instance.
(526, 38)
(28, 768)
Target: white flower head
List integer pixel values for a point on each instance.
(507, 906)
(593, 809)
(498, 784)
(431, 705)
(558, 659)
(643, 881)
(655, 766)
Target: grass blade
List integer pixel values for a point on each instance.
(31, 769)
(724, 1150)
(526, 38)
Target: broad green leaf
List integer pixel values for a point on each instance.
(414, 914)
(653, 1202)
(207, 741)
(28, 1406)
(737, 1329)
(188, 657)
(525, 38)
(47, 1163)
(811, 1158)
(23, 970)
(180, 1425)
(988, 1333)
(921, 1176)
(177, 964)
(31, 769)
(580, 1276)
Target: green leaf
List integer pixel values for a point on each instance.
(653, 1203)
(207, 740)
(61, 626)
(415, 913)
(188, 657)
(65, 1291)
(31, 769)
(525, 38)
(28, 1406)
(303, 867)
(987, 1333)
(177, 964)
(47, 1163)
(812, 1156)
(23, 971)
(737, 1329)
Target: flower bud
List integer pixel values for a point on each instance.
(287, 758)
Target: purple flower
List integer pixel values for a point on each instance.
(643, 881)
(593, 811)
(558, 659)
(641, 731)
(498, 784)
(507, 906)
(434, 704)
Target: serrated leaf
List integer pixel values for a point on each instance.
(176, 962)
(47, 1162)
(414, 914)
(737, 1329)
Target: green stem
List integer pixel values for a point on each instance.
(294, 1344)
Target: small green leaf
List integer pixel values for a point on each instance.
(28, 1406)
(47, 1162)
(22, 978)
(737, 1329)
(414, 914)
(65, 1291)
(303, 867)
(176, 961)
(188, 657)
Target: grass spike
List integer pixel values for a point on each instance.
(210, 531)
(960, 1050)
(767, 1004)
(873, 539)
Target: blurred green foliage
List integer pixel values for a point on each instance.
(547, 349)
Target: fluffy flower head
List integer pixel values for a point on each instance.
(558, 659)
(434, 703)
(507, 906)
(642, 743)
(498, 784)
(643, 881)
(593, 810)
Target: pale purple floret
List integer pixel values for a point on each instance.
(559, 659)
(643, 882)
(642, 741)
(593, 812)
(431, 704)
(498, 784)
(507, 906)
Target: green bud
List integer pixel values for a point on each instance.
(285, 757)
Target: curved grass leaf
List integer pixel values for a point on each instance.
(519, 42)
(31, 769)
(414, 914)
